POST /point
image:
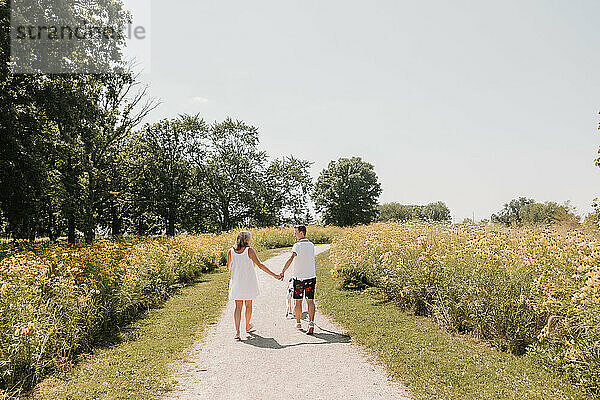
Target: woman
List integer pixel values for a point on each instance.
(243, 284)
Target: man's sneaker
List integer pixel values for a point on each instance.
(311, 328)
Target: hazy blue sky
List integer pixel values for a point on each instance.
(472, 103)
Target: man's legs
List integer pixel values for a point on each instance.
(310, 295)
(298, 294)
(311, 309)
(298, 310)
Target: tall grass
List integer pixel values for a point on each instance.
(522, 290)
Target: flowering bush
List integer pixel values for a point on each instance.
(520, 289)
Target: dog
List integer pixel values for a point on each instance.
(289, 312)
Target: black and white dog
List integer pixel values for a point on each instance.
(289, 312)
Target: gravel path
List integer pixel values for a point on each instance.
(277, 361)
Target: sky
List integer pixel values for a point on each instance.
(472, 103)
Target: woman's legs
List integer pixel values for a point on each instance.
(237, 316)
(248, 313)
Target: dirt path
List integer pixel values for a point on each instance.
(278, 361)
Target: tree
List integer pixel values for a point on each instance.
(185, 174)
(346, 192)
(398, 212)
(241, 187)
(437, 211)
(284, 193)
(25, 143)
(58, 131)
(510, 214)
(230, 165)
(121, 103)
(162, 169)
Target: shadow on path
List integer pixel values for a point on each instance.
(326, 336)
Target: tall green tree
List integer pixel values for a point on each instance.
(346, 192)
(399, 212)
(162, 168)
(230, 165)
(240, 185)
(120, 104)
(59, 130)
(284, 193)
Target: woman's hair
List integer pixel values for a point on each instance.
(242, 240)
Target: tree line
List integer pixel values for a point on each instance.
(179, 174)
(437, 211)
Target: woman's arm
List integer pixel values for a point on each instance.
(229, 260)
(254, 258)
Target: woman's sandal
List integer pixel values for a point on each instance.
(251, 329)
(237, 338)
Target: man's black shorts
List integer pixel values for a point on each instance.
(306, 287)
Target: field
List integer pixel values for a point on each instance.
(525, 290)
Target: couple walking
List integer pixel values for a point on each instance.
(243, 284)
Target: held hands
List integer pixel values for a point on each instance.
(279, 277)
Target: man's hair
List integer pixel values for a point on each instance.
(301, 228)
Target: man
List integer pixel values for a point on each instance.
(304, 276)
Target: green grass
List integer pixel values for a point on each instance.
(139, 361)
(431, 362)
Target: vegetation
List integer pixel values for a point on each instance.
(137, 361)
(174, 175)
(346, 192)
(527, 290)
(528, 211)
(395, 212)
(59, 132)
(431, 362)
(60, 302)
(197, 177)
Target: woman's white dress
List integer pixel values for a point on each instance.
(243, 284)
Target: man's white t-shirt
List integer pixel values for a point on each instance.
(304, 262)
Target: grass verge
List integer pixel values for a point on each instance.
(431, 362)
